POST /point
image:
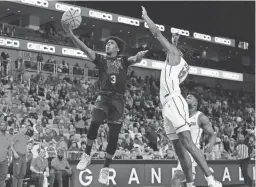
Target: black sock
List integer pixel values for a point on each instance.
(107, 162)
(88, 149)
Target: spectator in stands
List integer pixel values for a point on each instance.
(39, 57)
(19, 150)
(61, 170)
(5, 152)
(40, 169)
(74, 146)
(83, 146)
(29, 157)
(169, 154)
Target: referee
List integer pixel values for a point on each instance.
(243, 156)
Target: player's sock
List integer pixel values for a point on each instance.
(88, 148)
(190, 184)
(108, 160)
(210, 180)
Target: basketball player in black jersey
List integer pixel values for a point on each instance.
(110, 102)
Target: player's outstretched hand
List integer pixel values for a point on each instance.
(66, 28)
(144, 12)
(141, 54)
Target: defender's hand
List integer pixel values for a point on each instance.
(141, 54)
(144, 12)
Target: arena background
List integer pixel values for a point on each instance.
(220, 50)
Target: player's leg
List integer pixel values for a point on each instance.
(115, 121)
(181, 152)
(181, 125)
(185, 161)
(98, 116)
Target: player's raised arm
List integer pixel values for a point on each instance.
(171, 49)
(79, 44)
(137, 58)
(206, 125)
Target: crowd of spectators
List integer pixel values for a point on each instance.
(56, 112)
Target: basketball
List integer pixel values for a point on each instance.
(72, 18)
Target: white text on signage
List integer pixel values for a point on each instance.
(9, 43)
(40, 3)
(100, 15)
(202, 36)
(210, 73)
(160, 27)
(128, 21)
(180, 31)
(41, 47)
(64, 8)
(230, 76)
(222, 41)
(73, 52)
(86, 177)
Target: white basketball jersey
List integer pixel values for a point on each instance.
(195, 129)
(171, 78)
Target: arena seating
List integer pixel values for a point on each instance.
(61, 105)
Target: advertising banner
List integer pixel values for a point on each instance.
(34, 46)
(158, 174)
(111, 17)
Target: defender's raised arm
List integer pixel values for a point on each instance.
(172, 51)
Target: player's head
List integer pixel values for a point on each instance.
(193, 100)
(175, 38)
(114, 45)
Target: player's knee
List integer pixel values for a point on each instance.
(186, 140)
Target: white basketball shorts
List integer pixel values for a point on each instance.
(176, 116)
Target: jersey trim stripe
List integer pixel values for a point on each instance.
(180, 113)
(170, 70)
(165, 79)
(184, 110)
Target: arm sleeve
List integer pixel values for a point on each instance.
(126, 62)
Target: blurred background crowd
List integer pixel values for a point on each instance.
(56, 111)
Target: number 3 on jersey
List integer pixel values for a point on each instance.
(113, 79)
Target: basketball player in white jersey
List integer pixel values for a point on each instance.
(175, 108)
(199, 123)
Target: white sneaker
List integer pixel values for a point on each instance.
(103, 177)
(217, 184)
(84, 162)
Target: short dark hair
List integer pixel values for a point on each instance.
(198, 98)
(120, 43)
